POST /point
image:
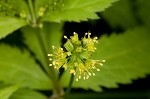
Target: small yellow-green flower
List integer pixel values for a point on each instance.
(23, 14)
(76, 56)
(41, 11)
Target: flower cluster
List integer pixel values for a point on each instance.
(76, 56)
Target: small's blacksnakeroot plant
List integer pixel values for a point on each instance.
(76, 56)
(41, 22)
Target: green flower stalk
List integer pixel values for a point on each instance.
(76, 56)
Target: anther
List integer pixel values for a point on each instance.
(53, 62)
(61, 49)
(101, 64)
(95, 38)
(65, 37)
(50, 59)
(53, 47)
(74, 33)
(50, 54)
(84, 77)
(93, 74)
(96, 41)
(90, 74)
(103, 60)
(50, 64)
(79, 77)
(76, 79)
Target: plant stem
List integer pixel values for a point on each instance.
(39, 36)
(32, 12)
(69, 86)
(49, 71)
(58, 91)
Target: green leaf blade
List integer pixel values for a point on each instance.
(121, 15)
(79, 10)
(20, 67)
(27, 94)
(126, 58)
(143, 12)
(67, 15)
(8, 25)
(5, 93)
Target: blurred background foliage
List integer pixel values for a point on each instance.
(124, 42)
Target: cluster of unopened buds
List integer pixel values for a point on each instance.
(76, 56)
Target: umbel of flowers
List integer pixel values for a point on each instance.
(76, 56)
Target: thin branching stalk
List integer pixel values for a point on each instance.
(69, 86)
(32, 13)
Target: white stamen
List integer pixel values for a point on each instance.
(61, 49)
(101, 64)
(65, 37)
(98, 69)
(77, 79)
(50, 64)
(96, 41)
(74, 33)
(50, 59)
(53, 63)
(93, 74)
(50, 54)
(103, 60)
(90, 74)
(95, 37)
(84, 78)
(53, 47)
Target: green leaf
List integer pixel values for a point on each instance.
(127, 58)
(76, 10)
(51, 34)
(121, 14)
(5, 93)
(27, 94)
(143, 11)
(8, 25)
(20, 67)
